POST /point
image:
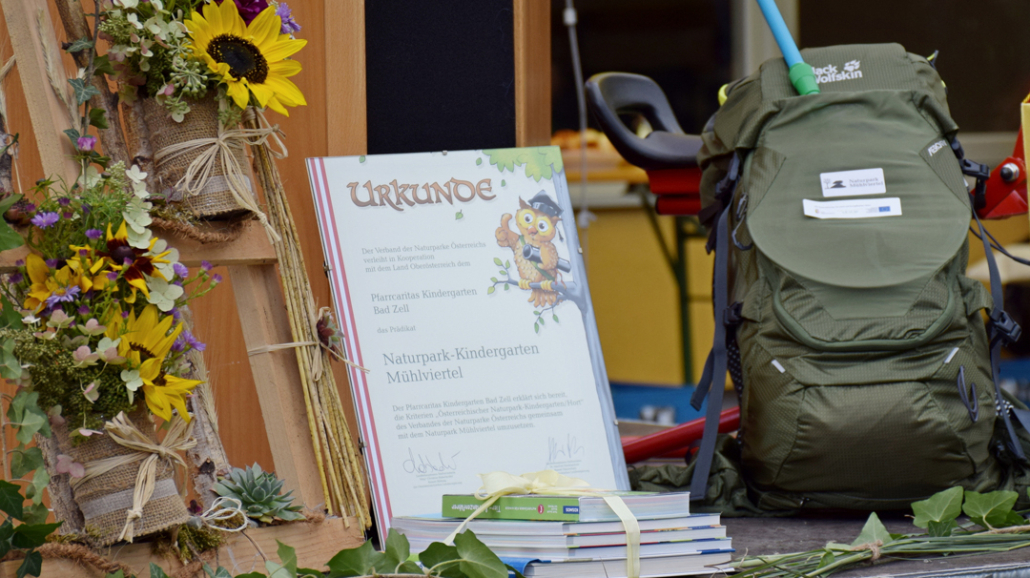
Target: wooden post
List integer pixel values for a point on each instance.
(532, 72)
(27, 22)
(347, 127)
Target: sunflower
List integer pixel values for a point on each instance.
(146, 337)
(249, 59)
(47, 289)
(163, 391)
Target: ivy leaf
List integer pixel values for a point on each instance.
(312, 573)
(941, 529)
(989, 510)
(287, 557)
(405, 568)
(156, 571)
(6, 532)
(118, 574)
(278, 571)
(79, 45)
(1014, 519)
(9, 316)
(39, 482)
(36, 514)
(32, 565)
(73, 135)
(10, 367)
(477, 561)
(83, 91)
(221, 572)
(98, 118)
(25, 460)
(33, 535)
(9, 202)
(352, 562)
(873, 531)
(11, 500)
(102, 65)
(396, 553)
(940, 507)
(438, 553)
(32, 422)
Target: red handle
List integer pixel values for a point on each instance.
(656, 444)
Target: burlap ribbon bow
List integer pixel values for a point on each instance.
(222, 148)
(124, 433)
(551, 483)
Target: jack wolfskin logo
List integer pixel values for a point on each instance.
(831, 73)
(838, 185)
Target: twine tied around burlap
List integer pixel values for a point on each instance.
(222, 148)
(124, 433)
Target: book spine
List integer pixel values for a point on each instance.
(521, 508)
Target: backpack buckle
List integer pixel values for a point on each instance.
(981, 173)
(1004, 327)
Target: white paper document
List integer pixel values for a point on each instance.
(853, 208)
(459, 286)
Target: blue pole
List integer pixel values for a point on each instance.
(801, 74)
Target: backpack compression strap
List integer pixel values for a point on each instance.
(712, 384)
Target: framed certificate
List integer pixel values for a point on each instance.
(461, 290)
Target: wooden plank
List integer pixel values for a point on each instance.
(532, 72)
(50, 117)
(345, 78)
(315, 544)
(277, 380)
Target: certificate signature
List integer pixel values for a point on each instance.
(562, 451)
(428, 464)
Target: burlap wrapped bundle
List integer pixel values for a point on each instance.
(113, 500)
(215, 199)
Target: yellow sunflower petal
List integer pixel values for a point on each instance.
(283, 49)
(264, 30)
(231, 23)
(286, 91)
(213, 15)
(150, 369)
(36, 268)
(122, 234)
(262, 93)
(238, 92)
(284, 68)
(157, 403)
(274, 104)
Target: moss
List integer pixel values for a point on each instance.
(199, 539)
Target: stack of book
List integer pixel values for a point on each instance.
(566, 536)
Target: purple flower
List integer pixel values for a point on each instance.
(86, 208)
(289, 25)
(216, 279)
(125, 314)
(86, 143)
(45, 220)
(66, 215)
(179, 345)
(175, 313)
(19, 263)
(64, 201)
(16, 278)
(25, 206)
(84, 310)
(180, 270)
(66, 295)
(93, 234)
(193, 341)
(206, 266)
(112, 276)
(52, 263)
(249, 9)
(83, 252)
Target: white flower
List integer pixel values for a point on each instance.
(162, 293)
(132, 381)
(91, 392)
(59, 320)
(107, 349)
(135, 175)
(92, 327)
(90, 178)
(30, 319)
(132, 17)
(84, 357)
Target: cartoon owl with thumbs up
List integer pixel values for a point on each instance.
(535, 254)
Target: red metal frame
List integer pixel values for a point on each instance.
(676, 438)
(1007, 198)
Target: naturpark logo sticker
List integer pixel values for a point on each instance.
(830, 73)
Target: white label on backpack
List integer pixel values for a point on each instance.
(853, 208)
(852, 183)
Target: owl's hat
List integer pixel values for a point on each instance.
(541, 202)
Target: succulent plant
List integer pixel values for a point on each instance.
(259, 494)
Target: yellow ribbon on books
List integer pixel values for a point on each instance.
(551, 483)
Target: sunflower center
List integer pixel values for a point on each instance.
(141, 349)
(244, 59)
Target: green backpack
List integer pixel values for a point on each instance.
(856, 342)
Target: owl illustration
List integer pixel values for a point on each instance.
(535, 255)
